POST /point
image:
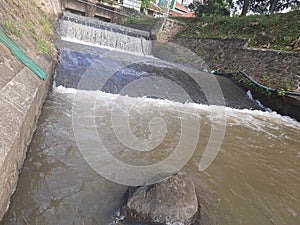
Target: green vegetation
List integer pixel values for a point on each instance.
(45, 46)
(280, 85)
(24, 22)
(146, 3)
(30, 27)
(230, 7)
(140, 20)
(216, 7)
(47, 26)
(43, 42)
(264, 6)
(277, 31)
(9, 25)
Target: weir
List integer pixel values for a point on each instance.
(140, 58)
(99, 33)
(141, 110)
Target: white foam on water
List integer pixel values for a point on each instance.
(76, 41)
(64, 90)
(97, 37)
(254, 119)
(249, 94)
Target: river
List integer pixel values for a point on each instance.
(115, 119)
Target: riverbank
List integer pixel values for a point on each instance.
(278, 69)
(278, 31)
(265, 46)
(22, 92)
(272, 68)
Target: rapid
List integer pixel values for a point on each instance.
(119, 115)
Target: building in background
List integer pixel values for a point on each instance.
(186, 3)
(177, 9)
(134, 4)
(154, 10)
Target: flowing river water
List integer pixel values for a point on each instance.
(244, 161)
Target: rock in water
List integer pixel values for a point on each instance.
(171, 201)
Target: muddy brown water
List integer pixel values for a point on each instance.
(254, 179)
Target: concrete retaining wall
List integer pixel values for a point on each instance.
(50, 7)
(269, 67)
(233, 54)
(21, 100)
(164, 29)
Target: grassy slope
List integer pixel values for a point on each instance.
(27, 26)
(141, 20)
(277, 31)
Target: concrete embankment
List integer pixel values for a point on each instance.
(21, 100)
(22, 93)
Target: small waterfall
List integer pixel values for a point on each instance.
(99, 33)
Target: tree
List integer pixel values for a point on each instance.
(266, 6)
(212, 7)
(273, 4)
(146, 3)
(245, 7)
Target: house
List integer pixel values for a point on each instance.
(162, 8)
(154, 10)
(186, 3)
(176, 9)
(134, 4)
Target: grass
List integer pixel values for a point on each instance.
(46, 30)
(30, 26)
(283, 84)
(44, 43)
(277, 31)
(46, 46)
(140, 20)
(11, 27)
(47, 26)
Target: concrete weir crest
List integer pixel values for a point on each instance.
(95, 32)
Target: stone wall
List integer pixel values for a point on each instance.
(165, 29)
(269, 67)
(170, 29)
(261, 64)
(50, 7)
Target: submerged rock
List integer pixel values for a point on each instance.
(172, 201)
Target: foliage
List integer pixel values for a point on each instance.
(227, 7)
(211, 7)
(30, 26)
(146, 3)
(45, 46)
(281, 86)
(269, 6)
(278, 31)
(142, 20)
(12, 28)
(25, 19)
(47, 26)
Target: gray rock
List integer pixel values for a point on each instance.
(172, 201)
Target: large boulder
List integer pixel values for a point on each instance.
(172, 201)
